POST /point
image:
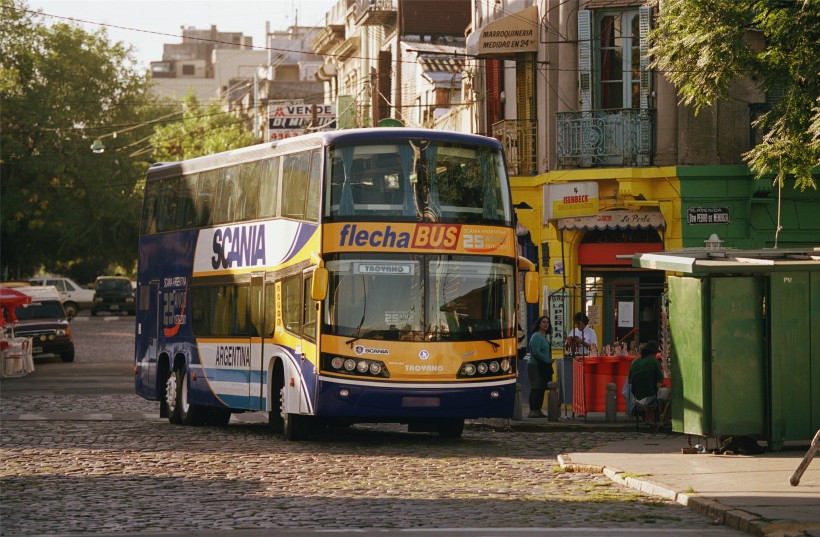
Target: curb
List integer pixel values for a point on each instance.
(722, 515)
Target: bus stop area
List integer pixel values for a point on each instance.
(750, 493)
(744, 363)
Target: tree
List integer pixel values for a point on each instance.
(62, 88)
(702, 46)
(203, 130)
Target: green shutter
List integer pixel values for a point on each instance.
(585, 58)
(646, 80)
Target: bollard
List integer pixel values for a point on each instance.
(611, 403)
(552, 401)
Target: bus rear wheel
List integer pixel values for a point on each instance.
(180, 411)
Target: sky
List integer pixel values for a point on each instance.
(148, 24)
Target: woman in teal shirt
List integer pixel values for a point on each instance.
(539, 365)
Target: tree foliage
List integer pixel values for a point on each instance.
(203, 130)
(703, 45)
(63, 206)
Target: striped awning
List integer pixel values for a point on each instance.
(615, 220)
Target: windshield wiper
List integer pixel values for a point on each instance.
(493, 343)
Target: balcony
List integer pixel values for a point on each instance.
(605, 138)
(327, 38)
(518, 136)
(376, 12)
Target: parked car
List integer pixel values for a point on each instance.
(45, 322)
(113, 294)
(74, 296)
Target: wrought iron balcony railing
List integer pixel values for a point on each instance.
(518, 136)
(376, 12)
(599, 138)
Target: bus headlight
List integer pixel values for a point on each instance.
(350, 364)
(337, 362)
(485, 368)
(375, 368)
(362, 367)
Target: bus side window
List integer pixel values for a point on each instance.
(292, 303)
(168, 191)
(294, 185)
(186, 207)
(313, 193)
(269, 187)
(205, 195)
(149, 208)
(199, 310)
(249, 177)
(228, 191)
(270, 309)
(241, 304)
(309, 316)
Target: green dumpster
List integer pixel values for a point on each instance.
(745, 342)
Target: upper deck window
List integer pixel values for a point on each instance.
(417, 181)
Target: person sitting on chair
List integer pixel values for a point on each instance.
(645, 374)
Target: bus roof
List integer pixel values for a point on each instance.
(314, 140)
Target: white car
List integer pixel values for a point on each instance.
(74, 296)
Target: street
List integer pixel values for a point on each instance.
(81, 454)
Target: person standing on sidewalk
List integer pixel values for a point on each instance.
(539, 365)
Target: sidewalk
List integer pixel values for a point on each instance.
(748, 493)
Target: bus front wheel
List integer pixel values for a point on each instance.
(296, 427)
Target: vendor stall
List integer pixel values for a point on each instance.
(15, 352)
(591, 374)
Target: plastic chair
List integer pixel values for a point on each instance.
(644, 390)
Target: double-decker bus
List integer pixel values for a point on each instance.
(365, 275)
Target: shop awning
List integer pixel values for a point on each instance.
(615, 220)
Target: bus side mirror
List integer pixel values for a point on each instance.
(318, 290)
(531, 287)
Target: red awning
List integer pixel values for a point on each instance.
(615, 220)
(9, 300)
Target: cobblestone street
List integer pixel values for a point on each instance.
(107, 463)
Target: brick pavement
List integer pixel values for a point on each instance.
(133, 474)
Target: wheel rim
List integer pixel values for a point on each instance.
(171, 392)
(183, 400)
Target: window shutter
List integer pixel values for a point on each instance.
(585, 58)
(494, 85)
(645, 14)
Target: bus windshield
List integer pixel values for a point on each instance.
(419, 298)
(417, 180)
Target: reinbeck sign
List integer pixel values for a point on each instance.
(514, 33)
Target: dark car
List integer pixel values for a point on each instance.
(45, 322)
(113, 294)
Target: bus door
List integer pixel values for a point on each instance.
(256, 367)
(149, 333)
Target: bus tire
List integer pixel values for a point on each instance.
(189, 414)
(180, 412)
(296, 427)
(276, 421)
(451, 427)
(218, 417)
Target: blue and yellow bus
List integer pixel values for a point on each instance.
(366, 275)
